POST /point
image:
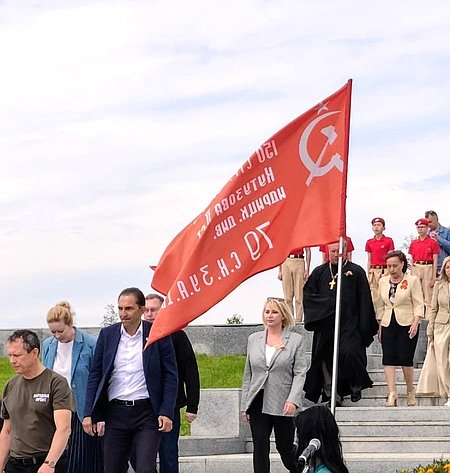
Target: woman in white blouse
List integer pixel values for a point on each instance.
(273, 384)
(69, 352)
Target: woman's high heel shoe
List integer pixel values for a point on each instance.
(410, 398)
(391, 400)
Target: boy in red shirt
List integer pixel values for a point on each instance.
(377, 248)
(424, 252)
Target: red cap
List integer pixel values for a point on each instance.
(378, 220)
(422, 221)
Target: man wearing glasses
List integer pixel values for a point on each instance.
(440, 234)
(188, 388)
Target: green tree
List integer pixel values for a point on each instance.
(405, 247)
(407, 242)
(110, 316)
(235, 319)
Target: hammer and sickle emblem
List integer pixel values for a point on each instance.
(314, 167)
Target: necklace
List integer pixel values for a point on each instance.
(391, 280)
(332, 283)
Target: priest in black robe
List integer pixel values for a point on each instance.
(358, 326)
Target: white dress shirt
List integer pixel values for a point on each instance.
(127, 379)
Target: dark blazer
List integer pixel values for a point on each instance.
(188, 376)
(160, 371)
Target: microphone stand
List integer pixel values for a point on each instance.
(305, 469)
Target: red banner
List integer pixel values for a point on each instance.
(291, 192)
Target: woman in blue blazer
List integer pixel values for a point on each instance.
(69, 352)
(273, 384)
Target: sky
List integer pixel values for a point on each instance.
(121, 120)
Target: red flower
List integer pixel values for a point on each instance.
(404, 284)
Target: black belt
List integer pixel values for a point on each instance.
(423, 262)
(378, 267)
(296, 256)
(27, 461)
(137, 402)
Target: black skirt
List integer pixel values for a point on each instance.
(85, 453)
(398, 348)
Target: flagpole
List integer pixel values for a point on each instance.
(337, 320)
(336, 328)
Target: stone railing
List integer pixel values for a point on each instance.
(206, 339)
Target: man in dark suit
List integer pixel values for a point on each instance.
(133, 390)
(188, 388)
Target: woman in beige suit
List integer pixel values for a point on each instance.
(273, 385)
(435, 375)
(399, 311)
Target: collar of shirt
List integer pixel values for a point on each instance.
(124, 332)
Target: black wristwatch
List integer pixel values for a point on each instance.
(50, 463)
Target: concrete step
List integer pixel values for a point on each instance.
(390, 445)
(373, 360)
(377, 374)
(391, 429)
(380, 388)
(370, 400)
(376, 397)
(385, 444)
(392, 415)
(403, 429)
(196, 445)
(356, 462)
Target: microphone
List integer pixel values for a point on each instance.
(309, 451)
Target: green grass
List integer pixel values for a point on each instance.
(6, 372)
(215, 372)
(223, 371)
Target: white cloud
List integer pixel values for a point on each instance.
(121, 120)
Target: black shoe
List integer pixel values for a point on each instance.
(356, 393)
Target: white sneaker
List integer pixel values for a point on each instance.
(447, 404)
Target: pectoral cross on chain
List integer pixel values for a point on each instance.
(332, 283)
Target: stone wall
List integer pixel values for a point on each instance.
(230, 339)
(206, 339)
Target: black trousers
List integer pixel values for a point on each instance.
(131, 428)
(261, 426)
(168, 448)
(20, 465)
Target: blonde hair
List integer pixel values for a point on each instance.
(443, 275)
(61, 312)
(287, 319)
